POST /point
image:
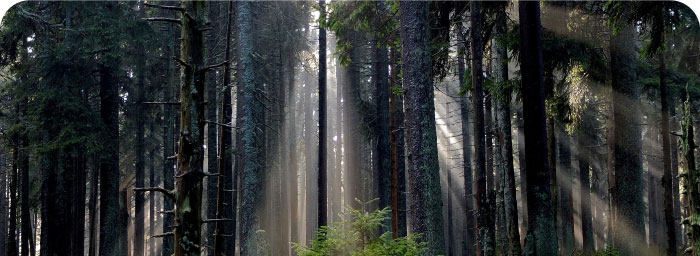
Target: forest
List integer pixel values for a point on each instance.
(312, 128)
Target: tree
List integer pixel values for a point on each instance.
(425, 200)
(629, 206)
(484, 226)
(504, 137)
(322, 129)
(541, 229)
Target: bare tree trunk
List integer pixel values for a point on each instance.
(541, 228)
(423, 170)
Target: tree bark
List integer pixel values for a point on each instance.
(484, 226)
(667, 180)
(541, 232)
(627, 199)
(565, 194)
(469, 209)
(252, 175)
(211, 182)
(398, 160)
(425, 197)
(322, 130)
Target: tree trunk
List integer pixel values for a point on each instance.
(167, 245)
(224, 240)
(627, 199)
(398, 160)
(382, 127)
(139, 217)
(11, 235)
(322, 130)
(3, 205)
(293, 176)
(469, 209)
(541, 233)
(210, 184)
(585, 154)
(111, 228)
(565, 195)
(425, 196)
(484, 226)
(190, 154)
(504, 141)
(667, 180)
(252, 175)
(691, 176)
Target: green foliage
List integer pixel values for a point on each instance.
(355, 235)
(607, 251)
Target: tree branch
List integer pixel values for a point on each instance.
(161, 103)
(162, 235)
(217, 123)
(173, 20)
(165, 7)
(168, 193)
(182, 62)
(215, 220)
(207, 68)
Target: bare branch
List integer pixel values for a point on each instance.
(176, 21)
(207, 68)
(215, 220)
(168, 193)
(217, 123)
(160, 103)
(172, 157)
(182, 62)
(162, 235)
(165, 7)
(167, 212)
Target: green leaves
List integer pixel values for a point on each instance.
(355, 235)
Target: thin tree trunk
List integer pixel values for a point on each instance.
(584, 136)
(398, 160)
(541, 228)
(565, 195)
(139, 201)
(469, 209)
(484, 227)
(667, 180)
(425, 196)
(211, 182)
(382, 127)
(11, 235)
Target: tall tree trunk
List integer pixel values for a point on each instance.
(667, 180)
(627, 199)
(565, 195)
(584, 157)
(26, 229)
(541, 233)
(293, 176)
(168, 151)
(210, 184)
(322, 130)
(11, 235)
(382, 127)
(252, 175)
(151, 196)
(504, 139)
(3, 205)
(139, 201)
(111, 228)
(398, 160)
(484, 227)
(469, 209)
(421, 140)
(190, 154)
(224, 240)
(92, 211)
(691, 176)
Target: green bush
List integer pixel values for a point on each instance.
(355, 235)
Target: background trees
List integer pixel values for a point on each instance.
(189, 128)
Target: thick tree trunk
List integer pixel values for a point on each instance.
(111, 228)
(627, 199)
(425, 197)
(293, 176)
(322, 128)
(3, 205)
(252, 175)
(167, 245)
(541, 228)
(691, 176)
(190, 154)
(504, 141)
(11, 235)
